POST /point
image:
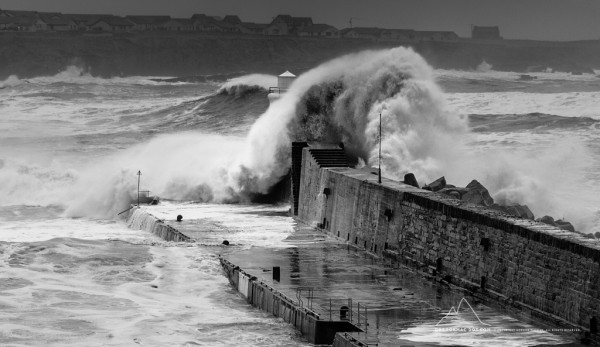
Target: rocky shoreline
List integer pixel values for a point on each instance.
(476, 193)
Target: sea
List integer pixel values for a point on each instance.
(74, 147)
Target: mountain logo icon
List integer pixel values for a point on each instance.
(454, 312)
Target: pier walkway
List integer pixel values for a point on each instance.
(394, 306)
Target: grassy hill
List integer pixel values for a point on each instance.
(187, 54)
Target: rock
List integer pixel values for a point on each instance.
(526, 212)
(477, 194)
(517, 210)
(456, 193)
(564, 225)
(436, 185)
(547, 219)
(521, 211)
(411, 180)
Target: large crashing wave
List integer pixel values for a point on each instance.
(339, 101)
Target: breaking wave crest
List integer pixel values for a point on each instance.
(339, 101)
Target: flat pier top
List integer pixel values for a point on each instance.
(402, 306)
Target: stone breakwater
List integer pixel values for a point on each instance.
(553, 273)
(138, 219)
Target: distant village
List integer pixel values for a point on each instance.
(282, 25)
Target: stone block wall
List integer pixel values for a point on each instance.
(553, 272)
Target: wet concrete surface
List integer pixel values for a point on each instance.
(398, 306)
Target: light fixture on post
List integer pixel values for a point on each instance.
(379, 175)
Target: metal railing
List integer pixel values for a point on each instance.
(343, 309)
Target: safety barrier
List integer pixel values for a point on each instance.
(316, 329)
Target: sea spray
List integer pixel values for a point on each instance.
(421, 134)
(396, 82)
(182, 166)
(253, 80)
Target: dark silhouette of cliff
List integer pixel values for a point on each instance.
(187, 54)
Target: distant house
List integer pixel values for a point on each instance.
(50, 15)
(112, 24)
(398, 35)
(30, 24)
(276, 29)
(293, 24)
(320, 30)
(21, 21)
(231, 19)
(16, 14)
(202, 22)
(85, 21)
(7, 24)
(148, 23)
(252, 28)
(178, 24)
(436, 36)
(485, 33)
(58, 22)
(362, 33)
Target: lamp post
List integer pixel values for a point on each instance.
(379, 176)
(139, 173)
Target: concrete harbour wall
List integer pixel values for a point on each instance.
(260, 295)
(139, 219)
(551, 272)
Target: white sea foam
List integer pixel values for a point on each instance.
(577, 104)
(261, 80)
(509, 76)
(423, 133)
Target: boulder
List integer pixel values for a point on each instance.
(411, 180)
(564, 225)
(477, 194)
(547, 219)
(456, 193)
(521, 211)
(436, 185)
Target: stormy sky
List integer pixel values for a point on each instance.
(518, 19)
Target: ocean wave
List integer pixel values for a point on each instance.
(339, 101)
(526, 122)
(571, 104)
(78, 74)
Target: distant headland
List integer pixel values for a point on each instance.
(39, 43)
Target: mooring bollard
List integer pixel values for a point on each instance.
(276, 273)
